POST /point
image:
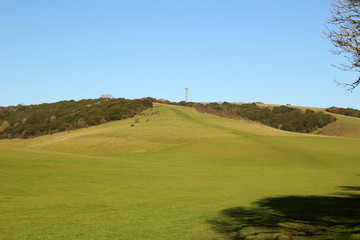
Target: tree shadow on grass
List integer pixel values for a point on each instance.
(294, 217)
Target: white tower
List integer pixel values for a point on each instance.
(186, 93)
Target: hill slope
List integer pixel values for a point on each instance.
(344, 126)
(170, 177)
(36, 120)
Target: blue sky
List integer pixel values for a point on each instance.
(225, 50)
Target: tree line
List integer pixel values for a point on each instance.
(36, 120)
(281, 117)
(344, 111)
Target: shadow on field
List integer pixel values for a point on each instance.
(294, 217)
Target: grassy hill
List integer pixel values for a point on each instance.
(181, 174)
(344, 126)
(281, 117)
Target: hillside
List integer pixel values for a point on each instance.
(344, 126)
(345, 111)
(35, 120)
(281, 117)
(179, 174)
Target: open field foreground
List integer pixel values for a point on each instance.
(180, 174)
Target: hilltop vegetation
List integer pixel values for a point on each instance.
(281, 117)
(344, 111)
(36, 120)
(344, 126)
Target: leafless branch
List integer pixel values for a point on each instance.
(343, 31)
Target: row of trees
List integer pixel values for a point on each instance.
(282, 117)
(36, 120)
(344, 111)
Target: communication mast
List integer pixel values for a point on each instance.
(186, 93)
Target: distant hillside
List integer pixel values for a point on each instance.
(344, 126)
(35, 120)
(345, 111)
(347, 123)
(281, 117)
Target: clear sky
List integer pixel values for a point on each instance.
(225, 50)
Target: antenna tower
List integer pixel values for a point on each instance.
(186, 93)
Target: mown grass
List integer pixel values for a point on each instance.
(161, 179)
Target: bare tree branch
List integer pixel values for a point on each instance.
(343, 31)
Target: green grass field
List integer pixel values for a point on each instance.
(181, 175)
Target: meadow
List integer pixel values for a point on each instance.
(181, 174)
